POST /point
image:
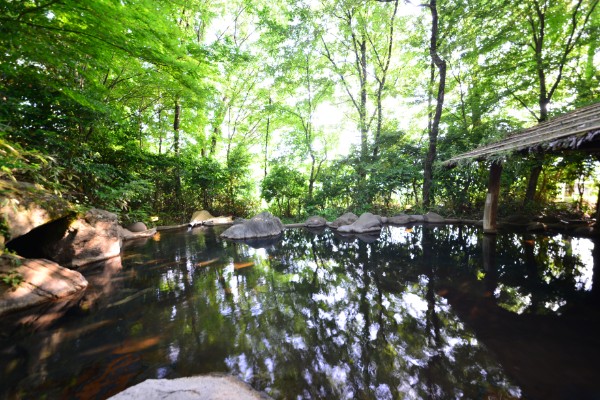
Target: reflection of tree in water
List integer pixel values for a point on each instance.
(326, 316)
(352, 321)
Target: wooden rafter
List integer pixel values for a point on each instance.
(578, 129)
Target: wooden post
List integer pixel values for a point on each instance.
(491, 201)
(488, 248)
(598, 210)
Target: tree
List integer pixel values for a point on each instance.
(555, 32)
(284, 185)
(434, 115)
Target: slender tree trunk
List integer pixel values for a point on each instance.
(363, 100)
(267, 138)
(382, 81)
(435, 123)
(176, 123)
(532, 182)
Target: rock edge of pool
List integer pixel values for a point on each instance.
(204, 387)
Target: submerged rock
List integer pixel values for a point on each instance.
(40, 281)
(193, 388)
(367, 222)
(262, 225)
(346, 219)
(315, 222)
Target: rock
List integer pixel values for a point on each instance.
(126, 234)
(171, 227)
(199, 217)
(193, 388)
(315, 222)
(417, 218)
(137, 227)
(27, 206)
(535, 226)
(384, 220)
(42, 281)
(219, 221)
(295, 225)
(346, 219)
(400, 219)
(585, 231)
(433, 218)
(93, 238)
(262, 225)
(367, 222)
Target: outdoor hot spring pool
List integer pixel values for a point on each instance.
(416, 313)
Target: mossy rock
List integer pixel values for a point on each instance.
(24, 206)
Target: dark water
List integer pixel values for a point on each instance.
(431, 313)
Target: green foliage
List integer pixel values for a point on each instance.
(284, 186)
(11, 278)
(145, 108)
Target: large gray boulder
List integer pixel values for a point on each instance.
(193, 388)
(315, 222)
(367, 222)
(262, 225)
(41, 281)
(346, 219)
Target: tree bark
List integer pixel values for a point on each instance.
(490, 212)
(435, 123)
(598, 209)
(176, 124)
(534, 176)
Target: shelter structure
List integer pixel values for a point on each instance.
(578, 130)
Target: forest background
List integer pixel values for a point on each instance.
(160, 108)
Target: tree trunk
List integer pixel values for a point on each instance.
(382, 81)
(491, 201)
(533, 181)
(598, 209)
(176, 123)
(363, 102)
(435, 123)
(267, 138)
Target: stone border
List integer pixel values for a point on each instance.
(202, 387)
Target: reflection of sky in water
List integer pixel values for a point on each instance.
(583, 249)
(328, 317)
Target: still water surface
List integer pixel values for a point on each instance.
(416, 313)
